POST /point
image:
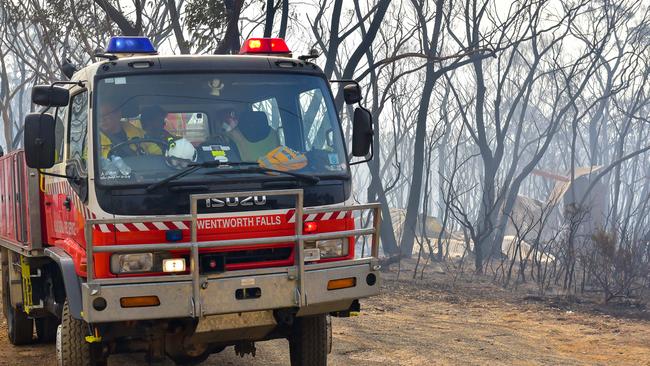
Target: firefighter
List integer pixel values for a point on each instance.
(254, 137)
(113, 131)
(152, 121)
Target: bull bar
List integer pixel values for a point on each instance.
(296, 272)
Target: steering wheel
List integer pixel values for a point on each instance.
(141, 150)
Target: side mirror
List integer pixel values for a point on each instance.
(2, 152)
(352, 93)
(50, 96)
(361, 132)
(39, 140)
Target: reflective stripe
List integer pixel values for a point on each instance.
(160, 226)
(140, 226)
(121, 228)
(181, 225)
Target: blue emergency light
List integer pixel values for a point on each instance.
(130, 45)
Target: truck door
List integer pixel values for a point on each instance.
(54, 197)
(76, 163)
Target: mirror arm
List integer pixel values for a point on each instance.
(75, 179)
(352, 81)
(80, 83)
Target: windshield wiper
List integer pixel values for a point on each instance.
(191, 168)
(255, 167)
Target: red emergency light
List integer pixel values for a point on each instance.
(264, 46)
(310, 227)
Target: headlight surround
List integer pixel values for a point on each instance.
(331, 248)
(132, 263)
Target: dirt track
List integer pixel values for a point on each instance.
(429, 323)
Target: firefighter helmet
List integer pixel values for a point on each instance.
(180, 153)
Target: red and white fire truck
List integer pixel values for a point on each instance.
(178, 205)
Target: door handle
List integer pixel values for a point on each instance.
(67, 203)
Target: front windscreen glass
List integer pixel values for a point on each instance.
(148, 127)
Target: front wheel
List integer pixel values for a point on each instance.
(71, 346)
(308, 344)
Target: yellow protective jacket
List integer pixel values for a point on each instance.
(131, 132)
(251, 151)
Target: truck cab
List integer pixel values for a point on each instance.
(185, 204)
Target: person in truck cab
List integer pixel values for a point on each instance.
(253, 135)
(257, 141)
(152, 121)
(113, 131)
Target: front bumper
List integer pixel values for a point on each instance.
(217, 295)
(301, 286)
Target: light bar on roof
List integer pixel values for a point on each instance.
(130, 45)
(264, 46)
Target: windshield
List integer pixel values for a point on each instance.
(148, 127)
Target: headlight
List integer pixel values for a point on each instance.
(331, 248)
(132, 263)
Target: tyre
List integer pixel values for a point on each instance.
(20, 327)
(71, 346)
(46, 329)
(308, 345)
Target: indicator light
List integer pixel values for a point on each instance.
(342, 283)
(139, 301)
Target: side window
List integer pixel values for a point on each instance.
(316, 120)
(272, 111)
(59, 134)
(78, 127)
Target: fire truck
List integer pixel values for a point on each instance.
(178, 205)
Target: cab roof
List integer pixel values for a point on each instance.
(205, 63)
